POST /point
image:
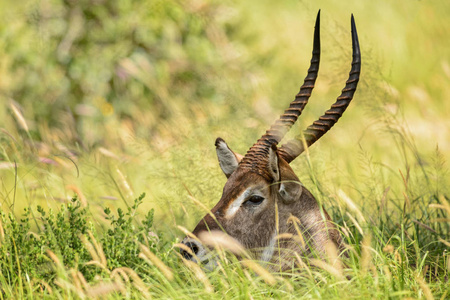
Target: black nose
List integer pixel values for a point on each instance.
(193, 247)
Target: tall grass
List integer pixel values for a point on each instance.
(104, 101)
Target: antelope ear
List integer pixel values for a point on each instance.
(274, 169)
(290, 191)
(228, 160)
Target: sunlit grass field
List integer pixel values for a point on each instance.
(103, 101)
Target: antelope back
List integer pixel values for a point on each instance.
(263, 198)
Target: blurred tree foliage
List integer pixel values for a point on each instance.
(74, 62)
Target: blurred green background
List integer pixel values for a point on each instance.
(109, 99)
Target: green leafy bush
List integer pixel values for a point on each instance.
(68, 234)
(81, 63)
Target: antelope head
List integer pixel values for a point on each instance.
(263, 198)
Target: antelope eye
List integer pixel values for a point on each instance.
(255, 200)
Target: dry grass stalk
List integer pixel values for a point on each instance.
(258, 269)
(148, 256)
(7, 165)
(425, 288)
(333, 256)
(128, 274)
(327, 267)
(444, 242)
(285, 236)
(138, 283)
(188, 233)
(352, 206)
(302, 265)
(108, 153)
(184, 210)
(344, 230)
(440, 206)
(287, 283)
(397, 256)
(83, 280)
(440, 220)
(10, 136)
(202, 206)
(366, 256)
(407, 204)
(79, 193)
(67, 286)
(448, 263)
(355, 223)
(119, 276)
(445, 203)
(75, 280)
(54, 257)
(120, 273)
(102, 289)
(99, 249)
(249, 278)
(120, 285)
(445, 206)
(374, 271)
(124, 184)
(2, 233)
(90, 248)
(299, 237)
(19, 117)
(436, 266)
(199, 274)
(47, 287)
(96, 252)
(387, 272)
(187, 249)
(222, 241)
(388, 249)
(222, 270)
(425, 270)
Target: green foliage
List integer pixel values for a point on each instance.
(85, 57)
(61, 233)
(24, 252)
(108, 97)
(121, 242)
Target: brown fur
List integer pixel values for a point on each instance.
(254, 229)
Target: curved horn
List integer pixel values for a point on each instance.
(278, 130)
(315, 131)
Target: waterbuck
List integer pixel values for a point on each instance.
(263, 199)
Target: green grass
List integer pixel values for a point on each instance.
(103, 102)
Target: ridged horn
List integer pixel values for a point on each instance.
(279, 129)
(293, 148)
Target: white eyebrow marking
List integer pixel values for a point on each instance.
(234, 206)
